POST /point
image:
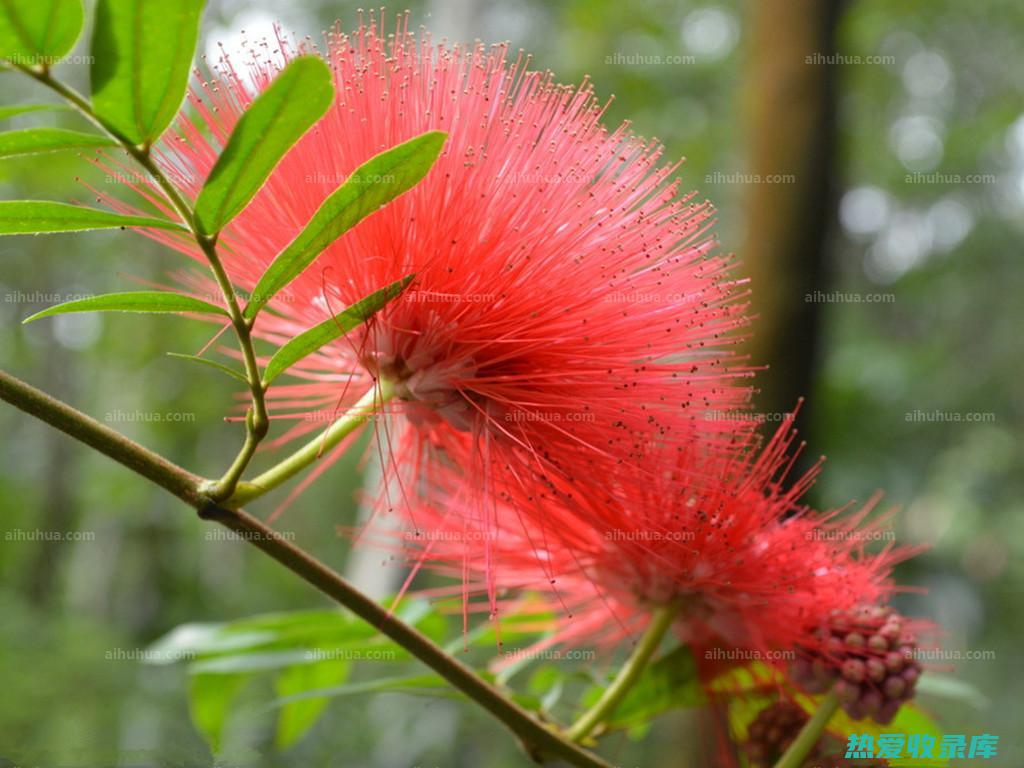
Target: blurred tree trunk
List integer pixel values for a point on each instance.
(790, 108)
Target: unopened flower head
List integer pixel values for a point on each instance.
(865, 654)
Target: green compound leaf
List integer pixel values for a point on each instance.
(307, 654)
(211, 700)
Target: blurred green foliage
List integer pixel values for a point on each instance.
(915, 394)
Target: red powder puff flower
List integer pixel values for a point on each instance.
(568, 303)
(721, 537)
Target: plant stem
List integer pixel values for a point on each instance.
(627, 676)
(540, 740)
(809, 734)
(363, 410)
(258, 421)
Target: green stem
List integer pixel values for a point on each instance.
(540, 741)
(258, 421)
(810, 734)
(364, 409)
(627, 676)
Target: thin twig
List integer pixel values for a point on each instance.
(628, 675)
(810, 734)
(362, 411)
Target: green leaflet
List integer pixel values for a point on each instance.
(30, 217)
(33, 141)
(376, 182)
(311, 340)
(141, 58)
(134, 301)
(212, 364)
(275, 120)
(39, 32)
(24, 109)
